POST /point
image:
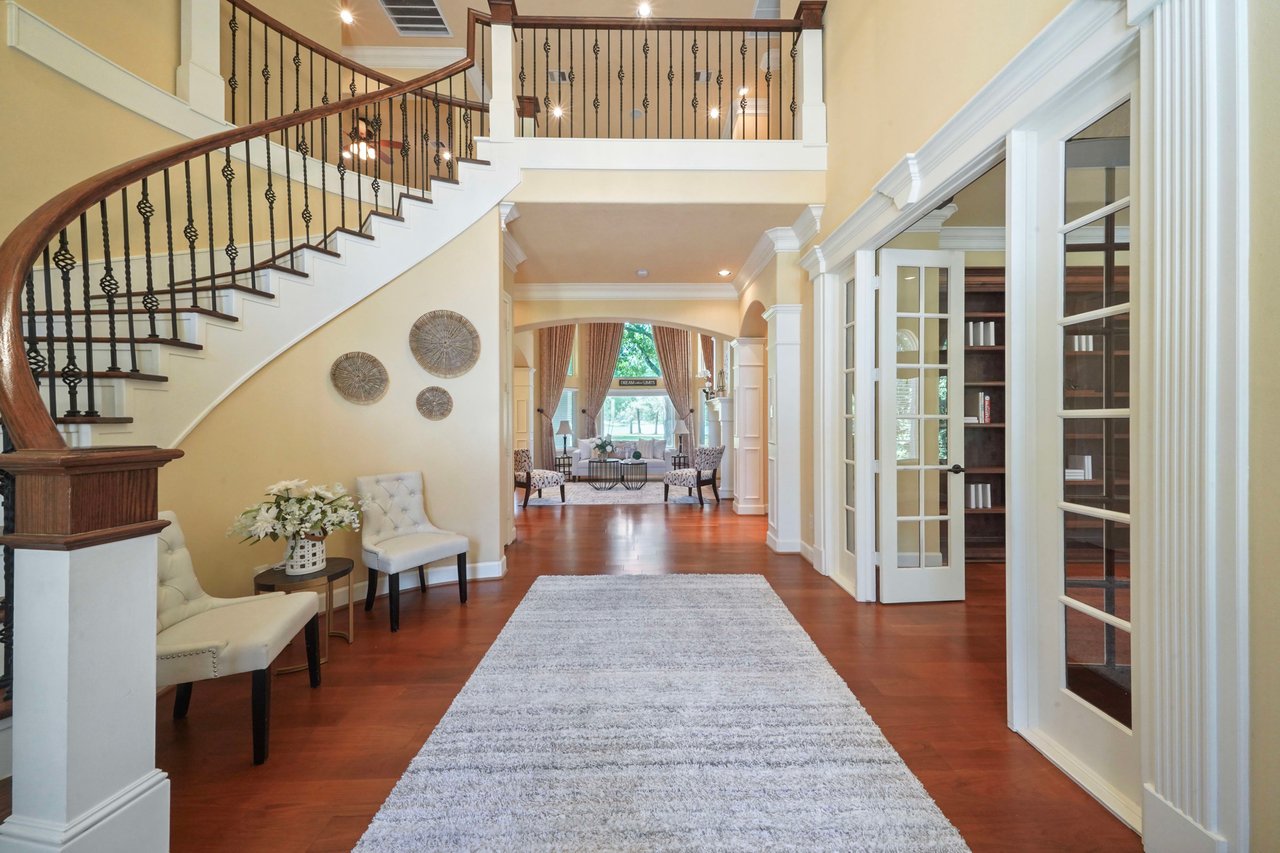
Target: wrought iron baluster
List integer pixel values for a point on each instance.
(297, 75)
(559, 82)
(232, 251)
(404, 141)
(71, 373)
(646, 103)
(523, 76)
(51, 355)
(768, 88)
(192, 234)
(671, 79)
(304, 150)
(324, 159)
(546, 96)
(694, 85)
(391, 157)
(453, 142)
(35, 358)
(248, 201)
(8, 495)
(595, 52)
(633, 84)
(149, 300)
(356, 161)
(233, 82)
(288, 194)
(435, 105)
(270, 196)
(720, 103)
(342, 178)
(795, 49)
(208, 203)
(572, 77)
(742, 105)
(280, 53)
(128, 282)
(168, 238)
(375, 127)
(91, 408)
(108, 285)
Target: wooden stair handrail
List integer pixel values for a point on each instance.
(22, 409)
(808, 16)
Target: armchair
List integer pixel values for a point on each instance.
(397, 536)
(200, 637)
(705, 472)
(535, 479)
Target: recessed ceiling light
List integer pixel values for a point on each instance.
(726, 273)
(715, 112)
(743, 90)
(642, 273)
(909, 278)
(346, 16)
(644, 10)
(557, 111)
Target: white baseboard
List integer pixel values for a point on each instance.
(1097, 787)
(6, 748)
(445, 575)
(813, 554)
(742, 508)
(783, 546)
(1164, 827)
(135, 820)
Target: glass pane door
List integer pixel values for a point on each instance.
(922, 507)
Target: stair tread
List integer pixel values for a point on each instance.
(85, 419)
(393, 216)
(475, 160)
(161, 312)
(168, 342)
(187, 289)
(114, 374)
(351, 232)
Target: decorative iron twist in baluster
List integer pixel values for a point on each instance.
(466, 131)
(646, 102)
(49, 336)
(595, 102)
(208, 204)
(304, 149)
(795, 49)
(71, 373)
(128, 282)
(35, 358)
(86, 295)
(232, 251)
(693, 102)
(149, 300)
(375, 127)
(768, 89)
(546, 98)
(168, 238)
(192, 234)
(233, 82)
(108, 284)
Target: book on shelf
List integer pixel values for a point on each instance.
(980, 333)
(979, 496)
(983, 415)
(1082, 343)
(1078, 468)
(971, 419)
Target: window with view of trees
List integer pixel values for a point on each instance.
(632, 416)
(638, 355)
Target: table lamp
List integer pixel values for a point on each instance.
(566, 431)
(682, 429)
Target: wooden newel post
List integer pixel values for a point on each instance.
(84, 774)
(502, 126)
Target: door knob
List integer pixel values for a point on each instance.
(956, 469)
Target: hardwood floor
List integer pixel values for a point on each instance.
(931, 675)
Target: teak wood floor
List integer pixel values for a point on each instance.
(932, 676)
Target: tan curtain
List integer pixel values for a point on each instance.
(708, 353)
(673, 357)
(555, 346)
(600, 345)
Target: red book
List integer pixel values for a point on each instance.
(986, 408)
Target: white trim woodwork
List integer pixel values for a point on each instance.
(784, 435)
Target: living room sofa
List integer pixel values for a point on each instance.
(654, 453)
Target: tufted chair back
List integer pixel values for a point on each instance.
(394, 507)
(524, 461)
(707, 458)
(178, 593)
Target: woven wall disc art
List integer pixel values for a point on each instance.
(434, 403)
(445, 343)
(359, 378)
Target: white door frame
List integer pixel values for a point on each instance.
(1191, 618)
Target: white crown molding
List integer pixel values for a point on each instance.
(775, 241)
(902, 183)
(513, 254)
(624, 292)
(931, 222)
(973, 239)
(507, 213)
(403, 56)
(808, 224)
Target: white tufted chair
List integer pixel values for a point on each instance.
(199, 636)
(705, 472)
(535, 479)
(397, 536)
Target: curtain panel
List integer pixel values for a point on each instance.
(600, 345)
(677, 371)
(708, 354)
(555, 347)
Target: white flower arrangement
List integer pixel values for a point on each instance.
(296, 510)
(604, 446)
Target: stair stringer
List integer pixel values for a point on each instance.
(165, 413)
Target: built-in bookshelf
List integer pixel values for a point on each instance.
(985, 380)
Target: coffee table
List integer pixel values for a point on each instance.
(604, 474)
(635, 473)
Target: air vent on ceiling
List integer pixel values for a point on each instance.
(558, 75)
(703, 75)
(416, 17)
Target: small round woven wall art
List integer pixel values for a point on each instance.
(434, 403)
(444, 343)
(359, 378)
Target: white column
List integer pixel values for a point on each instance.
(502, 102)
(84, 728)
(813, 109)
(723, 407)
(1190, 461)
(749, 388)
(199, 77)
(784, 428)
(828, 449)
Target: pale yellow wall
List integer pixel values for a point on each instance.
(718, 316)
(288, 421)
(896, 70)
(1264, 391)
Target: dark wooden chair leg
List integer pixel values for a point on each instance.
(701, 501)
(562, 499)
(311, 636)
(372, 592)
(182, 701)
(715, 490)
(422, 578)
(462, 576)
(666, 492)
(527, 491)
(261, 713)
(539, 494)
(393, 589)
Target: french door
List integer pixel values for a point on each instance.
(921, 426)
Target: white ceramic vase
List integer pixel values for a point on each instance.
(304, 555)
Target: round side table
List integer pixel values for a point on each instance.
(335, 568)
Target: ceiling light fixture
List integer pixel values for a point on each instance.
(714, 112)
(446, 155)
(557, 111)
(743, 90)
(346, 16)
(726, 273)
(644, 10)
(642, 273)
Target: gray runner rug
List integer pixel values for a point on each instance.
(671, 712)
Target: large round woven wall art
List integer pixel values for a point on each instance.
(445, 343)
(359, 378)
(434, 403)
